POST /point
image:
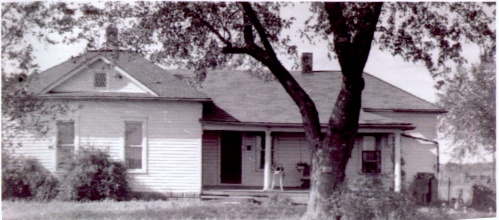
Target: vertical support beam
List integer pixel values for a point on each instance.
(398, 168)
(268, 161)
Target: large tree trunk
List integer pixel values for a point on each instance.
(330, 159)
(331, 151)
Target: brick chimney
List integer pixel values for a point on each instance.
(111, 37)
(307, 62)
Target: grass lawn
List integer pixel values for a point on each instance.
(173, 209)
(179, 209)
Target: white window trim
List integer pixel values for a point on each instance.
(76, 121)
(144, 121)
(258, 151)
(361, 150)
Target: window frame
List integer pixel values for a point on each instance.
(58, 168)
(377, 152)
(106, 78)
(143, 121)
(259, 151)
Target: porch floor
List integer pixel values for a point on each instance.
(252, 193)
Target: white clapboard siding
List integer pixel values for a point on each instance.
(83, 81)
(211, 158)
(291, 148)
(418, 157)
(36, 147)
(173, 140)
(425, 122)
(251, 174)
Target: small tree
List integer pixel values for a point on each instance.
(92, 175)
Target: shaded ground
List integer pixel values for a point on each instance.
(148, 210)
(180, 209)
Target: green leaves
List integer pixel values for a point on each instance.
(469, 98)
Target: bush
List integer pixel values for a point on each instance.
(26, 178)
(483, 198)
(92, 175)
(371, 197)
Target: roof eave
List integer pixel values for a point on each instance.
(436, 111)
(402, 126)
(89, 97)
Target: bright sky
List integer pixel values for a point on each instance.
(411, 77)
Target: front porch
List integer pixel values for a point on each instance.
(246, 159)
(253, 194)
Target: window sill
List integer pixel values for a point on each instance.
(142, 171)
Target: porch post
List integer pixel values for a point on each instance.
(268, 161)
(398, 169)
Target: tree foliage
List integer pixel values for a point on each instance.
(212, 35)
(23, 24)
(432, 33)
(469, 97)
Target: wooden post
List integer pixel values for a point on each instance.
(268, 161)
(398, 168)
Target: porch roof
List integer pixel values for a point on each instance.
(241, 98)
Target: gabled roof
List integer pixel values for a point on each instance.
(240, 97)
(155, 78)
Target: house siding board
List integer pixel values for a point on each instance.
(291, 148)
(211, 157)
(251, 174)
(83, 81)
(418, 157)
(425, 123)
(173, 140)
(36, 147)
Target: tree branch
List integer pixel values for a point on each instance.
(210, 27)
(250, 13)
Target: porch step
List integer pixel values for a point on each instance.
(253, 196)
(233, 199)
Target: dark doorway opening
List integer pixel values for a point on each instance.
(231, 157)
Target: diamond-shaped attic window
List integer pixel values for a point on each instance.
(100, 80)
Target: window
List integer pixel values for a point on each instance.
(260, 151)
(65, 143)
(371, 154)
(134, 145)
(100, 80)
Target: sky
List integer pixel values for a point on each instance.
(411, 77)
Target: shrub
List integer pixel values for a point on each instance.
(26, 178)
(371, 197)
(483, 198)
(92, 175)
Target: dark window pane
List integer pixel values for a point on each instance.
(65, 133)
(64, 155)
(371, 161)
(133, 157)
(133, 134)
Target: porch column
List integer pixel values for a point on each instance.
(398, 168)
(268, 161)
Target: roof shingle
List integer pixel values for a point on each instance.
(150, 75)
(247, 99)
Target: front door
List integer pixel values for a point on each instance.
(231, 157)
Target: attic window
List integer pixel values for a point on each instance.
(100, 80)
